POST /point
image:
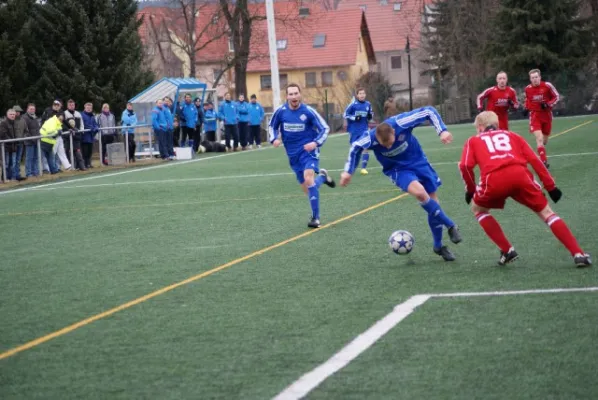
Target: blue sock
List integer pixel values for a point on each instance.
(433, 209)
(314, 200)
(319, 180)
(436, 228)
(364, 160)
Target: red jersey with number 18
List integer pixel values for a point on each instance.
(496, 149)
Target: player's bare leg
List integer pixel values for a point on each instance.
(562, 232)
(494, 231)
(541, 141)
(437, 219)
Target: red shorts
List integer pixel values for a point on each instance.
(540, 121)
(515, 182)
(503, 122)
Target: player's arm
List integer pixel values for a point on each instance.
(348, 114)
(364, 142)
(481, 97)
(274, 126)
(554, 95)
(541, 170)
(370, 115)
(320, 126)
(513, 98)
(527, 103)
(466, 166)
(422, 115)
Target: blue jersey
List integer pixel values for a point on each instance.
(357, 114)
(297, 128)
(406, 151)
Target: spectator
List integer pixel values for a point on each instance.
(243, 110)
(188, 120)
(73, 122)
(90, 126)
(49, 131)
(198, 127)
(10, 128)
(58, 149)
(31, 152)
(176, 131)
(51, 111)
(168, 110)
(129, 119)
(228, 114)
(22, 131)
(256, 115)
(210, 121)
(159, 124)
(107, 126)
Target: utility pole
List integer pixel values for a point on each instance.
(408, 51)
(273, 54)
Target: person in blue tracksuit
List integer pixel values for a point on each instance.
(188, 120)
(358, 114)
(129, 119)
(168, 109)
(210, 121)
(160, 125)
(303, 131)
(404, 162)
(229, 115)
(256, 115)
(243, 111)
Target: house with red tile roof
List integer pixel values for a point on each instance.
(390, 23)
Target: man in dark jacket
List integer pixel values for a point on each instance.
(31, 151)
(73, 122)
(10, 128)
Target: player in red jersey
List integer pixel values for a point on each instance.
(540, 97)
(503, 157)
(500, 98)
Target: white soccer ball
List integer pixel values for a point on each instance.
(401, 242)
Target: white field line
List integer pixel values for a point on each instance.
(211, 178)
(308, 382)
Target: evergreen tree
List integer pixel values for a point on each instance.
(547, 34)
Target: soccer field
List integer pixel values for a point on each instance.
(200, 280)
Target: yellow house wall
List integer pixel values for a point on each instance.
(339, 93)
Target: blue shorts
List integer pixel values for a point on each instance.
(424, 174)
(353, 137)
(303, 161)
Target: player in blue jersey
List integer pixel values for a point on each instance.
(303, 131)
(405, 163)
(358, 114)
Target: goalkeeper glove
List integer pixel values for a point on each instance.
(555, 194)
(468, 197)
(358, 118)
(369, 116)
(544, 106)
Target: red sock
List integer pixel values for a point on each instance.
(493, 230)
(562, 232)
(542, 153)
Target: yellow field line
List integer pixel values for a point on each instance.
(572, 129)
(169, 288)
(187, 203)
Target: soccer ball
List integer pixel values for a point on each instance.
(401, 242)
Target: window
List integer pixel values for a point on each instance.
(320, 40)
(231, 44)
(327, 78)
(396, 6)
(310, 79)
(383, 2)
(284, 80)
(281, 44)
(363, 7)
(265, 82)
(396, 62)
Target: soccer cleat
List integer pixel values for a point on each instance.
(364, 171)
(508, 257)
(454, 234)
(328, 181)
(313, 223)
(546, 165)
(445, 253)
(582, 260)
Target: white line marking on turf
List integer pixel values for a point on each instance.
(211, 178)
(308, 382)
(312, 379)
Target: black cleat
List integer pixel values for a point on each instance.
(313, 223)
(582, 260)
(454, 234)
(445, 253)
(546, 165)
(508, 257)
(328, 181)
